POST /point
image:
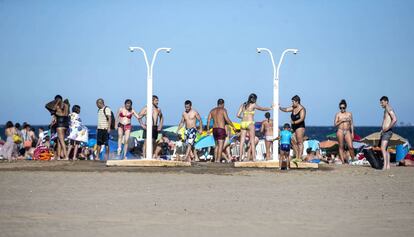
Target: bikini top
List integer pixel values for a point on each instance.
(249, 112)
(122, 115)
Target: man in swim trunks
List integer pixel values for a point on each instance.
(157, 123)
(220, 118)
(189, 118)
(389, 120)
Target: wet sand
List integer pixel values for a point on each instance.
(89, 199)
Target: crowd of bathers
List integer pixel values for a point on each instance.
(66, 136)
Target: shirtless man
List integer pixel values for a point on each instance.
(267, 130)
(390, 119)
(344, 123)
(157, 123)
(189, 118)
(220, 118)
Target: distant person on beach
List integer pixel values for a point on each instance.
(298, 115)
(246, 114)
(104, 127)
(388, 122)
(61, 112)
(267, 130)
(220, 119)
(77, 131)
(345, 133)
(157, 123)
(123, 122)
(9, 149)
(189, 118)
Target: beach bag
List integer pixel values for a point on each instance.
(112, 118)
(27, 143)
(375, 162)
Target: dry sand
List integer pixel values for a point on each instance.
(88, 199)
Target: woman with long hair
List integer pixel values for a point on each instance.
(297, 116)
(246, 114)
(123, 121)
(345, 133)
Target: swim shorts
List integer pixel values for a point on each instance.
(190, 136)
(219, 133)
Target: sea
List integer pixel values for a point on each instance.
(312, 132)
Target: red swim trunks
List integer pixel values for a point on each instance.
(219, 133)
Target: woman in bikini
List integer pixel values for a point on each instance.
(267, 131)
(123, 119)
(62, 124)
(246, 114)
(298, 115)
(345, 124)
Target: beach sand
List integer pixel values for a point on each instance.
(88, 199)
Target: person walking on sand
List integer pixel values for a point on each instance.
(104, 127)
(246, 114)
(345, 133)
(267, 130)
(388, 122)
(220, 119)
(123, 122)
(189, 118)
(157, 123)
(298, 115)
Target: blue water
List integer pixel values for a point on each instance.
(313, 132)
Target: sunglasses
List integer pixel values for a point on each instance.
(342, 107)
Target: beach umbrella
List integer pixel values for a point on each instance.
(140, 133)
(327, 144)
(206, 141)
(172, 129)
(374, 139)
(204, 120)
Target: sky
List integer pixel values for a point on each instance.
(353, 50)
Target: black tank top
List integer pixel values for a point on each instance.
(296, 117)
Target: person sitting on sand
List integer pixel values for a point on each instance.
(163, 147)
(267, 130)
(407, 161)
(246, 114)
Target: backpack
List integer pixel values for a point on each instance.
(112, 118)
(375, 162)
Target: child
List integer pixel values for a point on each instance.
(285, 137)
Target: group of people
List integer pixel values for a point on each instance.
(67, 126)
